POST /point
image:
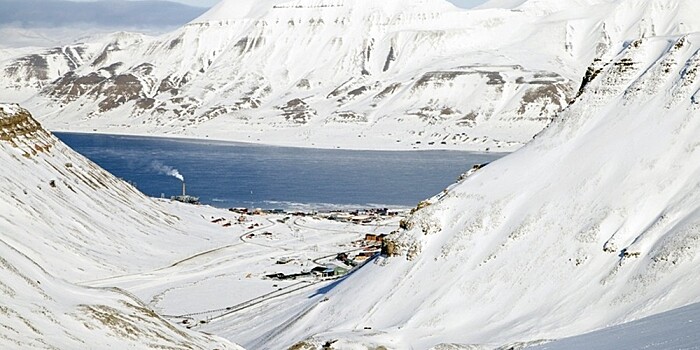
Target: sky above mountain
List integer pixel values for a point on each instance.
(58, 13)
(114, 13)
(460, 3)
(59, 22)
(209, 3)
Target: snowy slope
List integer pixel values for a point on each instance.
(593, 223)
(38, 311)
(675, 329)
(64, 219)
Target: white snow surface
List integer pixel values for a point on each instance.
(672, 330)
(542, 6)
(232, 9)
(8, 109)
(594, 223)
(248, 9)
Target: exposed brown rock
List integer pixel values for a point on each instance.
(297, 111)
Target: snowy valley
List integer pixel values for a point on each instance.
(89, 260)
(592, 224)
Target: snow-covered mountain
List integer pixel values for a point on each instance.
(65, 220)
(593, 223)
(351, 73)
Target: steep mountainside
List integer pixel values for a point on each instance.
(595, 222)
(62, 218)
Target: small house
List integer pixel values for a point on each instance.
(370, 237)
(361, 219)
(329, 270)
(275, 276)
(339, 271)
(284, 261)
(368, 254)
(320, 271)
(360, 258)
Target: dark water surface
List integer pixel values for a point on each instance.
(226, 174)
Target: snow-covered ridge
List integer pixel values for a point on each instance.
(63, 220)
(542, 6)
(292, 74)
(76, 209)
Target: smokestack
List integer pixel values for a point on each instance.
(183, 188)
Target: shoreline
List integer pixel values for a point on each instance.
(313, 145)
(364, 145)
(454, 162)
(304, 207)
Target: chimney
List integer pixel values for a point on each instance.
(183, 188)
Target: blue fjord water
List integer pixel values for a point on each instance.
(227, 174)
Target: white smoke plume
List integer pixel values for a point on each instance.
(167, 170)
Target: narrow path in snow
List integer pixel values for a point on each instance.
(190, 258)
(224, 312)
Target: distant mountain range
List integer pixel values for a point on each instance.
(336, 73)
(331, 73)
